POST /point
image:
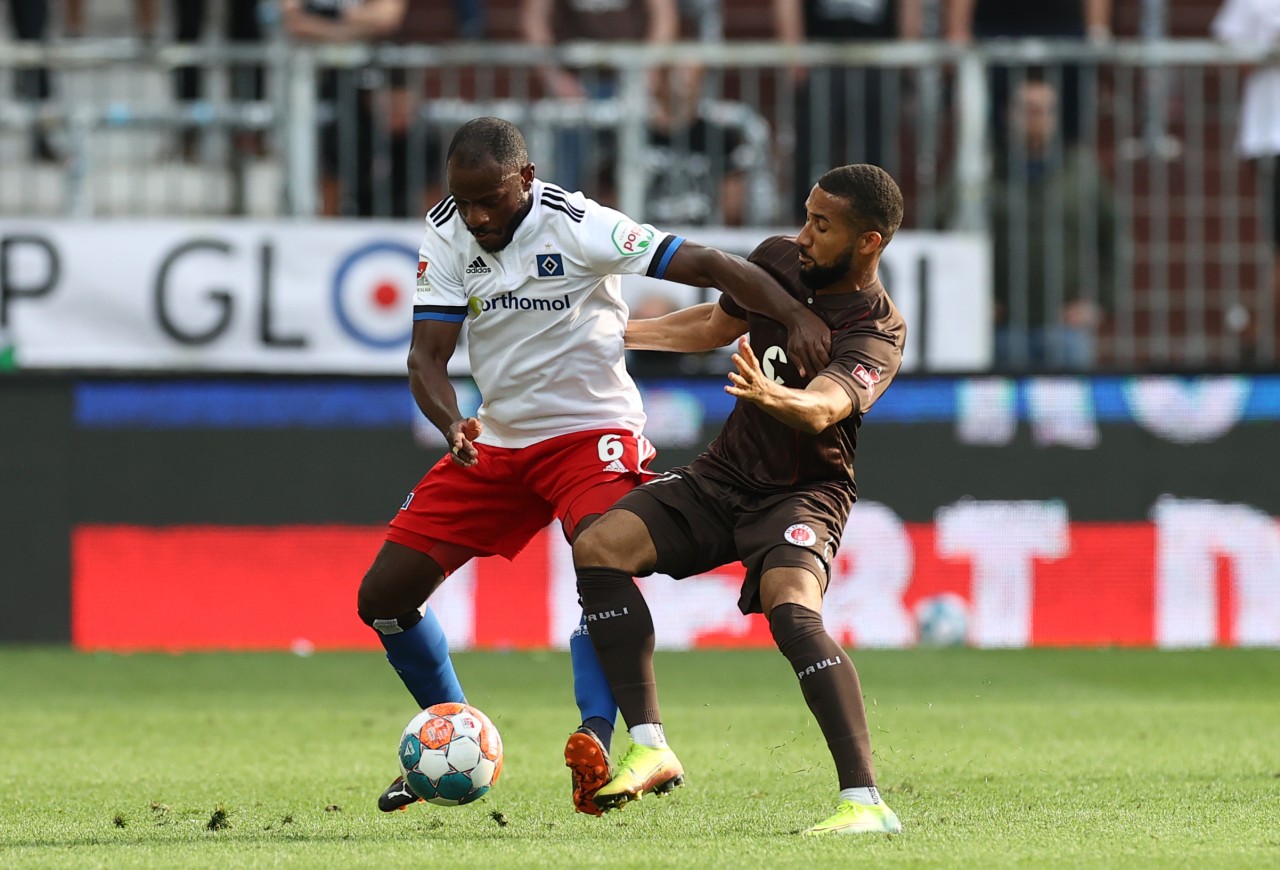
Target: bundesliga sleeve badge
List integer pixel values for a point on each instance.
(868, 377)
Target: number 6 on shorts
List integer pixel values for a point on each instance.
(610, 447)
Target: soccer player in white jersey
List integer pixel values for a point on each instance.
(533, 272)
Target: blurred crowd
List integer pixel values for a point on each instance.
(1050, 207)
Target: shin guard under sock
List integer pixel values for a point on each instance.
(621, 630)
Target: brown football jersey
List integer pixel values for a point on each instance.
(759, 452)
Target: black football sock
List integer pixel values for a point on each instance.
(621, 630)
(830, 686)
(602, 728)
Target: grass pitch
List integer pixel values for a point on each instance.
(1029, 758)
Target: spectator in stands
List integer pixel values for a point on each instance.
(1055, 235)
(1251, 23)
(548, 22)
(364, 153)
(144, 13)
(843, 115)
(30, 22)
(967, 20)
(471, 18)
(697, 157)
(242, 24)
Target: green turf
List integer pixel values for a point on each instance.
(1029, 758)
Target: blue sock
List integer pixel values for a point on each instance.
(590, 687)
(420, 655)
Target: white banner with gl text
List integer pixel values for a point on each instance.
(337, 296)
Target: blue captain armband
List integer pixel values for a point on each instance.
(447, 313)
(662, 256)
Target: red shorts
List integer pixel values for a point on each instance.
(496, 506)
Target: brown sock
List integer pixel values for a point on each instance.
(830, 686)
(621, 630)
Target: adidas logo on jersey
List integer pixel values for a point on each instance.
(478, 267)
(616, 466)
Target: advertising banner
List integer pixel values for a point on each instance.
(1132, 511)
(989, 574)
(337, 296)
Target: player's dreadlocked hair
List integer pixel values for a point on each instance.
(875, 202)
(483, 139)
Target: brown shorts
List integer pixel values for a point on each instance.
(698, 524)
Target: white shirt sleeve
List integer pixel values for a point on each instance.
(613, 244)
(439, 294)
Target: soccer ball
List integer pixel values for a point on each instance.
(451, 754)
(942, 620)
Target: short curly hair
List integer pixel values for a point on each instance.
(483, 139)
(874, 198)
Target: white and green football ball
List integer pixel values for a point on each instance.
(451, 754)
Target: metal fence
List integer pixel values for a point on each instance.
(1136, 198)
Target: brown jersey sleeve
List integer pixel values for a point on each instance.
(864, 371)
(777, 256)
(866, 356)
(733, 309)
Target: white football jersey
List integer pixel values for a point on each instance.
(545, 315)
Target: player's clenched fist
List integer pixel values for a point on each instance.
(809, 343)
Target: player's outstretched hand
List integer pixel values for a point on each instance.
(462, 434)
(749, 381)
(809, 343)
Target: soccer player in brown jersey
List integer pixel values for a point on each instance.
(774, 490)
